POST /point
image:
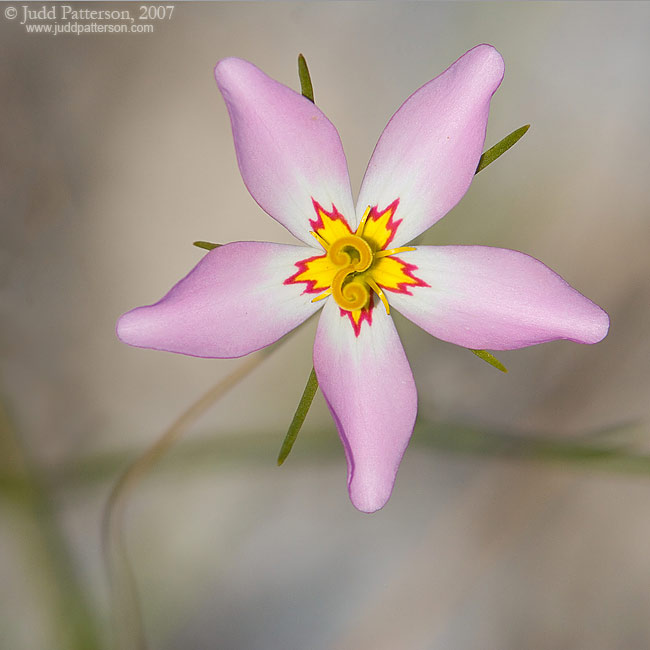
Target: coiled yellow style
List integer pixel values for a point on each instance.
(354, 255)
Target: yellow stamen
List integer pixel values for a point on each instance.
(377, 289)
(323, 295)
(321, 240)
(394, 251)
(362, 223)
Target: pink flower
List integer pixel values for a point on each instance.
(355, 263)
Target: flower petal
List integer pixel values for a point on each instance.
(369, 388)
(428, 153)
(289, 153)
(496, 299)
(233, 302)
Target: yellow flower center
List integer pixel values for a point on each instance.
(353, 257)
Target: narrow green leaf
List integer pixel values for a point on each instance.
(489, 358)
(501, 147)
(206, 244)
(306, 88)
(299, 416)
(308, 394)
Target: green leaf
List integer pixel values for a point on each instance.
(299, 416)
(501, 147)
(206, 244)
(489, 358)
(308, 394)
(306, 88)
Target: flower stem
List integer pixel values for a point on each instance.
(127, 619)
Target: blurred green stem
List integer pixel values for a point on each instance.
(73, 619)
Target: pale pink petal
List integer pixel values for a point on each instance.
(496, 299)
(233, 302)
(428, 153)
(369, 388)
(289, 153)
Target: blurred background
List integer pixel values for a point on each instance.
(521, 513)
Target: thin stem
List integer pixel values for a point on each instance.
(127, 619)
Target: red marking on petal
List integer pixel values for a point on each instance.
(335, 215)
(391, 225)
(403, 287)
(302, 267)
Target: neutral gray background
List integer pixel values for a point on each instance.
(117, 154)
